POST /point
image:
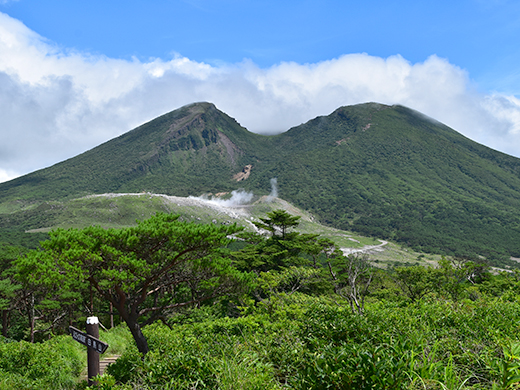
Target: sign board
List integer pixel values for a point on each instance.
(86, 339)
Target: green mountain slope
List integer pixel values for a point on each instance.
(390, 172)
(384, 171)
(183, 152)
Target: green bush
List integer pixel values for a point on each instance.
(54, 364)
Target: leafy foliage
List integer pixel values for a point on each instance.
(54, 364)
(143, 271)
(453, 326)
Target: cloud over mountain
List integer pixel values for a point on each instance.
(57, 102)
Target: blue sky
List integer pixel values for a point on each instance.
(74, 74)
(480, 36)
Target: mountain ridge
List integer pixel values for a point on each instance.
(385, 171)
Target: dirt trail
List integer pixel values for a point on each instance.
(365, 249)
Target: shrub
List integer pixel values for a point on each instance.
(55, 364)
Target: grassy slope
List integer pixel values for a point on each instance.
(118, 210)
(383, 171)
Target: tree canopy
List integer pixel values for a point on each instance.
(143, 271)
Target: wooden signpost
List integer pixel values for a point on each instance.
(95, 346)
(88, 340)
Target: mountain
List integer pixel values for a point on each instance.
(384, 171)
(182, 152)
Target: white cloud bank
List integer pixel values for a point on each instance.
(55, 103)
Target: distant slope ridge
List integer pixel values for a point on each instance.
(385, 171)
(185, 145)
(410, 179)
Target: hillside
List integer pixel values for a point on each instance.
(119, 210)
(383, 171)
(391, 172)
(184, 152)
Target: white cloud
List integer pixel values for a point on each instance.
(5, 175)
(56, 104)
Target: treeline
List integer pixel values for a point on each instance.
(208, 306)
(380, 204)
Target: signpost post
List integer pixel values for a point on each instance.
(95, 346)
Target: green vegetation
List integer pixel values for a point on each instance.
(384, 172)
(143, 271)
(303, 342)
(55, 364)
(303, 316)
(122, 210)
(203, 300)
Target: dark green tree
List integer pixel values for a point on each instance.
(279, 223)
(11, 296)
(144, 271)
(281, 248)
(416, 281)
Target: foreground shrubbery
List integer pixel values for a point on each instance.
(55, 364)
(309, 343)
(284, 311)
(298, 342)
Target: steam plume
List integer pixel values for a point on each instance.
(238, 198)
(274, 189)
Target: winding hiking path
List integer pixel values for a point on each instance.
(365, 249)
